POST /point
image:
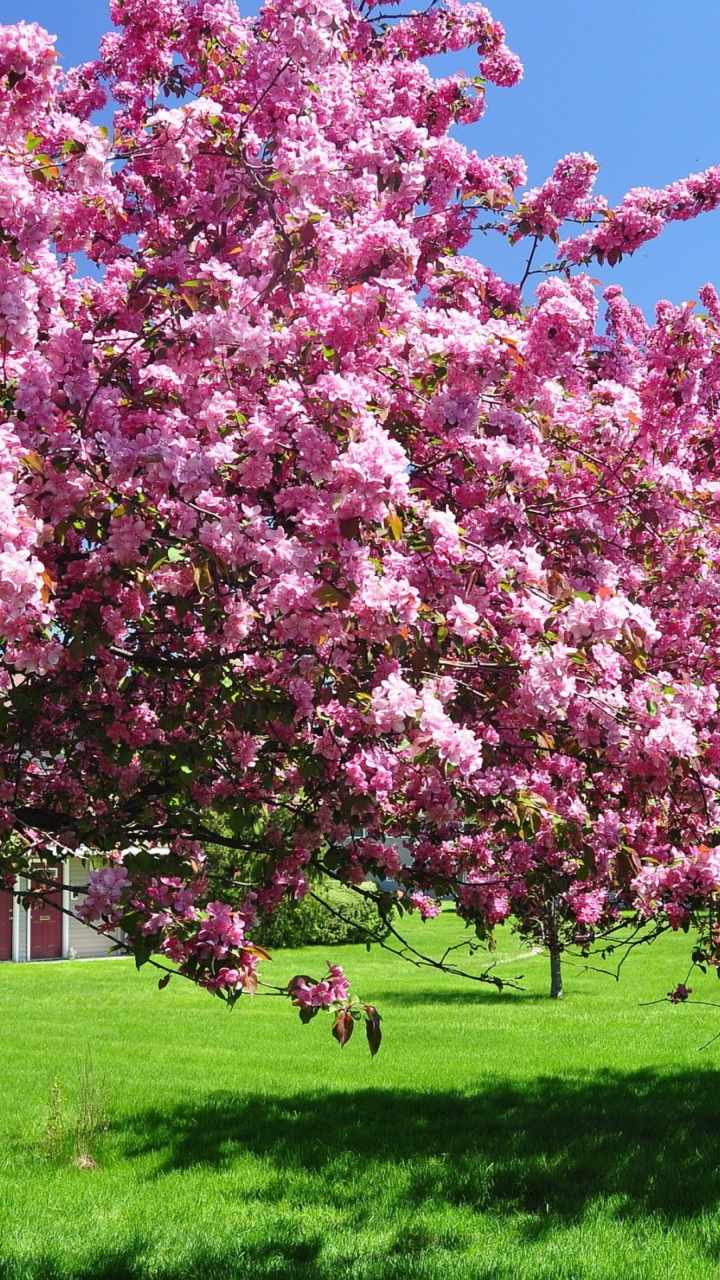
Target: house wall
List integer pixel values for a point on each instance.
(82, 943)
(20, 932)
(78, 941)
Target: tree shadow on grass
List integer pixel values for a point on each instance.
(548, 1146)
(470, 996)
(273, 1259)
(113, 1264)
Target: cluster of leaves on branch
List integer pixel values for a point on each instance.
(311, 522)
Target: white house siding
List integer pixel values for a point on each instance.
(82, 943)
(20, 928)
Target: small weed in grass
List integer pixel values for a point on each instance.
(74, 1124)
(91, 1118)
(55, 1125)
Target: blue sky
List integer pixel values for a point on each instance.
(635, 82)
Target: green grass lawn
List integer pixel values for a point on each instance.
(495, 1137)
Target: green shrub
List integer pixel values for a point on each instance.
(311, 924)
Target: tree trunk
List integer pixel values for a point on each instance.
(556, 986)
(553, 945)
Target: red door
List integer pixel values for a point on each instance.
(6, 915)
(46, 926)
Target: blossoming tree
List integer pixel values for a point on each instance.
(312, 522)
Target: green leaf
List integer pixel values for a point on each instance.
(142, 950)
(156, 557)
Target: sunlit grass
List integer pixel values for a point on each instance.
(495, 1137)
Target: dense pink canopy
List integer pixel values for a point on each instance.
(312, 523)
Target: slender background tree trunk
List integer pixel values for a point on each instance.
(553, 946)
(556, 986)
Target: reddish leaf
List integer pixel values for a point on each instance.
(628, 864)
(48, 587)
(350, 526)
(512, 348)
(342, 1027)
(162, 982)
(308, 234)
(259, 952)
(47, 170)
(189, 299)
(372, 1029)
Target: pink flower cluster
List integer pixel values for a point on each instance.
(564, 195)
(307, 994)
(587, 907)
(105, 899)
(674, 886)
(221, 930)
(642, 214)
(428, 907)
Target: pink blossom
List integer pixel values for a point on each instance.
(456, 744)
(320, 995)
(105, 895)
(428, 907)
(393, 702)
(562, 196)
(463, 617)
(587, 907)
